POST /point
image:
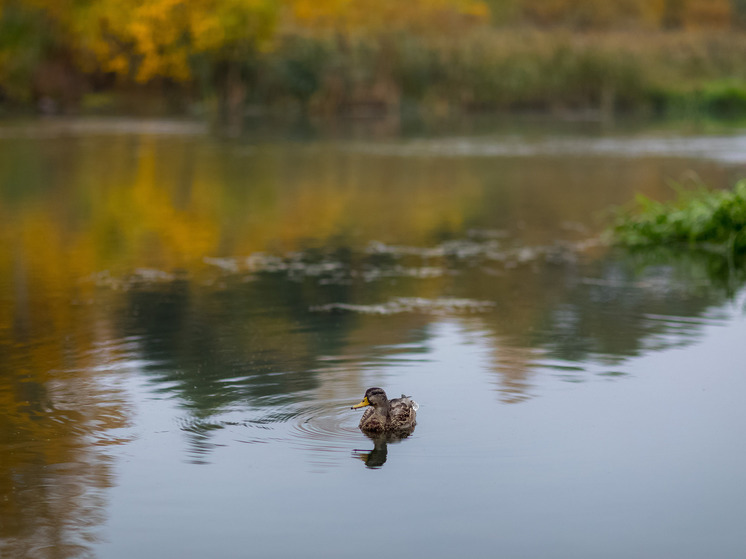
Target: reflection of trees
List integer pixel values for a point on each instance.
(617, 306)
(81, 215)
(80, 207)
(255, 341)
(259, 334)
(55, 406)
(254, 345)
(55, 413)
(196, 339)
(514, 366)
(603, 311)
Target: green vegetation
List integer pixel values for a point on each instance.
(713, 220)
(375, 57)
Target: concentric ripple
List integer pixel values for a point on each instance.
(327, 432)
(330, 432)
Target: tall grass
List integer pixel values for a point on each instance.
(498, 69)
(483, 68)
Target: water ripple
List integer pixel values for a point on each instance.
(398, 305)
(327, 431)
(325, 424)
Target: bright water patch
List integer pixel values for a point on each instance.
(729, 149)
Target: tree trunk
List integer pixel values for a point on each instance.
(234, 97)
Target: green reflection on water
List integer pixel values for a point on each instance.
(250, 277)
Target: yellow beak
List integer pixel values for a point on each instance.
(362, 404)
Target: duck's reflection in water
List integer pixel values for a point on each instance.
(376, 457)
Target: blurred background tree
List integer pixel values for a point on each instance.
(332, 56)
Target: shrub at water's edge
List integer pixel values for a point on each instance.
(713, 220)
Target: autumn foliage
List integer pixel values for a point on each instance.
(329, 54)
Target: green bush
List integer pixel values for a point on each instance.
(709, 219)
(724, 98)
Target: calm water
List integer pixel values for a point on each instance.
(185, 321)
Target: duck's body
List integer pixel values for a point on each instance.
(387, 416)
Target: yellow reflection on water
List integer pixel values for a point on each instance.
(58, 414)
(81, 216)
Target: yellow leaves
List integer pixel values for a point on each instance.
(144, 40)
(596, 13)
(478, 10)
(223, 24)
(138, 37)
(698, 14)
(119, 64)
(184, 235)
(147, 39)
(155, 28)
(377, 16)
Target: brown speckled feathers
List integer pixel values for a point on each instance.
(384, 415)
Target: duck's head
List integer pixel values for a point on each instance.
(373, 397)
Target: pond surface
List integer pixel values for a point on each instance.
(185, 321)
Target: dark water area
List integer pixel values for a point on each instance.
(186, 319)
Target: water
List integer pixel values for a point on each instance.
(186, 320)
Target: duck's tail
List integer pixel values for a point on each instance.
(415, 405)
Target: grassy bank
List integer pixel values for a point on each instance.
(486, 69)
(508, 70)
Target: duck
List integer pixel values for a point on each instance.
(387, 416)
